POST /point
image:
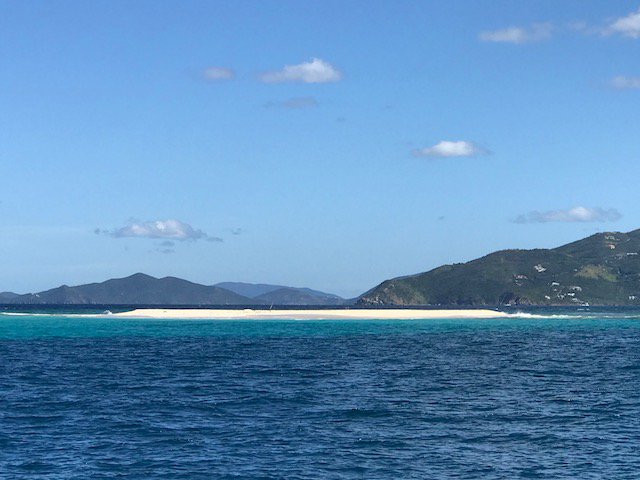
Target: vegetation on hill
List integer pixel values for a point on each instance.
(603, 269)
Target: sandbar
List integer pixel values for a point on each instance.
(318, 314)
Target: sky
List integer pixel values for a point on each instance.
(324, 144)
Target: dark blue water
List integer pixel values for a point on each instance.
(516, 398)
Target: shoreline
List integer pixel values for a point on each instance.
(310, 314)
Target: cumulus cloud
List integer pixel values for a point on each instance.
(214, 74)
(169, 230)
(295, 103)
(446, 149)
(519, 35)
(628, 26)
(572, 215)
(625, 83)
(314, 71)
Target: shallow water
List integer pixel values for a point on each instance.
(503, 398)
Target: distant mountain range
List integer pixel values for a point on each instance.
(141, 289)
(603, 269)
(281, 295)
(4, 296)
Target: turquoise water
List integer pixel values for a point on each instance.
(548, 397)
(25, 326)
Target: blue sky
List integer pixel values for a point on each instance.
(322, 144)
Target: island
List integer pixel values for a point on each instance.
(602, 270)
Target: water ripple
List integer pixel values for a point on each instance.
(323, 400)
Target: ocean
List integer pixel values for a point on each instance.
(552, 395)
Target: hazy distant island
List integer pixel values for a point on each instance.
(141, 289)
(603, 269)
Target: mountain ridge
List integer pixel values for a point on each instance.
(602, 269)
(283, 295)
(143, 289)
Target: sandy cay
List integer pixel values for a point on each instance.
(356, 314)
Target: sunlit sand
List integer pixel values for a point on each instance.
(356, 314)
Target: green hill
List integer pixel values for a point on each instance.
(138, 289)
(299, 296)
(141, 289)
(282, 295)
(603, 269)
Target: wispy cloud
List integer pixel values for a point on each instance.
(572, 215)
(296, 103)
(625, 83)
(628, 26)
(447, 149)
(169, 230)
(166, 247)
(314, 71)
(519, 35)
(215, 74)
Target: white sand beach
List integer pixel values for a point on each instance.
(355, 314)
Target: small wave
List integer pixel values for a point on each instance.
(18, 314)
(576, 316)
(42, 314)
(539, 315)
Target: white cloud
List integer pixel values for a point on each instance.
(215, 74)
(628, 26)
(314, 71)
(295, 103)
(625, 83)
(159, 229)
(572, 215)
(519, 35)
(447, 149)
